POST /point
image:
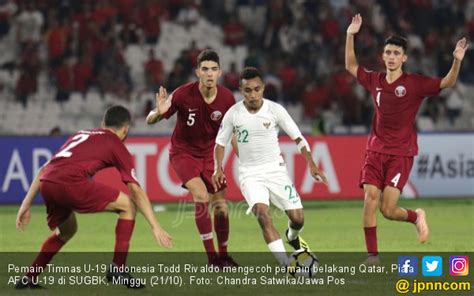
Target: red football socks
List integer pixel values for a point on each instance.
(221, 225)
(371, 240)
(204, 226)
(123, 234)
(411, 216)
(50, 247)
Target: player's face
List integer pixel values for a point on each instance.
(252, 89)
(208, 73)
(393, 56)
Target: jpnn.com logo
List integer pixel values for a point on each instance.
(432, 266)
(407, 265)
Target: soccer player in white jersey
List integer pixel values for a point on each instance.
(255, 121)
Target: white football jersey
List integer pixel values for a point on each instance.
(257, 133)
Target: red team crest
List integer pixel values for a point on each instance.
(400, 91)
(216, 115)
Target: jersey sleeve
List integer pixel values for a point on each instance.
(174, 97)
(287, 123)
(226, 129)
(427, 86)
(365, 77)
(124, 164)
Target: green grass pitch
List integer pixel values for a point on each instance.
(329, 227)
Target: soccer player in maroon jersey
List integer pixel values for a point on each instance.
(67, 186)
(200, 107)
(392, 142)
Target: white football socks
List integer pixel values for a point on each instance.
(293, 233)
(278, 250)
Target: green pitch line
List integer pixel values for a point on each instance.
(329, 226)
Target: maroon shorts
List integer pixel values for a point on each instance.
(188, 166)
(86, 197)
(383, 170)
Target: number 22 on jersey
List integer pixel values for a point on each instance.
(76, 140)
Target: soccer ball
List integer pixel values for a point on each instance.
(303, 263)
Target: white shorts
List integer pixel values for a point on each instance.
(269, 182)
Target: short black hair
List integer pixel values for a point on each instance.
(208, 55)
(116, 117)
(398, 41)
(249, 73)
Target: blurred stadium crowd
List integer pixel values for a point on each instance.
(63, 61)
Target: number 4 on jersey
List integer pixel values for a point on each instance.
(396, 179)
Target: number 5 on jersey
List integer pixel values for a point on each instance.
(191, 119)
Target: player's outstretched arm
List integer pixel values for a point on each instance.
(24, 215)
(316, 173)
(140, 198)
(450, 79)
(350, 57)
(218, 177)
(163, 103)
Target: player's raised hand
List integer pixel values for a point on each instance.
(163, 102)
(162, 237)
(218, 179)
(23, 217)
(354, 27)
(460, 50)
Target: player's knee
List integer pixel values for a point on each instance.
(297, 222)
(65, 234)
(371, 196)
(124, 204)
(387, 212)
(296, 218)
(130, 207)
(200, 196)
(220, 208)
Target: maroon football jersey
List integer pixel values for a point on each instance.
(198, 122)
(396, 104)
(87, 152)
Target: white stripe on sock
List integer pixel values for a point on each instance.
(206, 236)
